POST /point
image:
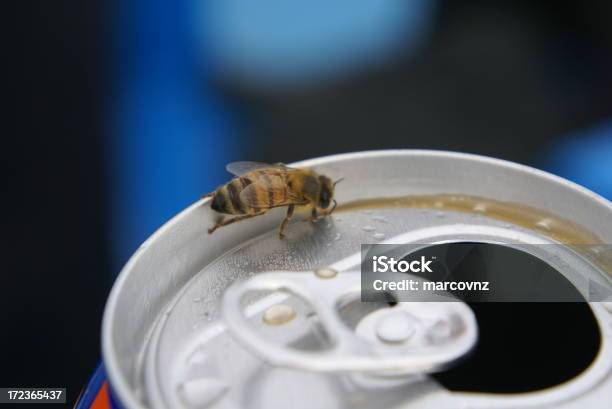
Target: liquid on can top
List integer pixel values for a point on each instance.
(241, 319)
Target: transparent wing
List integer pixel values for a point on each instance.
(240, 168)
(267, 193)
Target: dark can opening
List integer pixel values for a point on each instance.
(523, 346)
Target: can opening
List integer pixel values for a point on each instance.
(523, 346)
(526, 347)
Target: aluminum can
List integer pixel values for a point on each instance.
(242, 319)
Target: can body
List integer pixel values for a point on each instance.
(165, 325)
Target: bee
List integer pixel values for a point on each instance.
(259, 187)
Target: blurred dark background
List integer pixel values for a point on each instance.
(122, 113)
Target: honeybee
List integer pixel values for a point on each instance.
(259, 187)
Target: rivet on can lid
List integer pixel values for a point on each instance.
(279, 314)
(326, 272)
(396, 327)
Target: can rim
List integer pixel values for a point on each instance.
(118, 381)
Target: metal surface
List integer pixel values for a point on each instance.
(347, 350)
(164, 344)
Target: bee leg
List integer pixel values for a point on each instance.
(225, 222)
(218, 224)
(285, 221)
(314, 216)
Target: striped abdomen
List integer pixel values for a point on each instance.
(227, 198)
(252, 193)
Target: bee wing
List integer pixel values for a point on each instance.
(269, 192)
(240, 168)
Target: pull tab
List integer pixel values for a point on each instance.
(408, 338)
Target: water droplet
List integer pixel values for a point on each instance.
(197, 299)
(544, 224)
(279, 314)
(480, 207)
(379, 236)
(201, 392)
(326, 272)
(381, 219)
(337, 237)
(368, 228)
(440, 215)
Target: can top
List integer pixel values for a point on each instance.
(171, 290)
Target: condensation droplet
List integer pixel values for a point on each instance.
(326, 272)
(380, 219)
(379, 236)
(544, 224)
(368, 228)
(440, 215)
(279, 314)
(480, 207)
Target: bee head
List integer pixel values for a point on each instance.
(326, 194)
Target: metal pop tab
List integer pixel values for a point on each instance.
(405, 338)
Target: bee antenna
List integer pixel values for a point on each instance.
(338, 181)
(333, 208)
